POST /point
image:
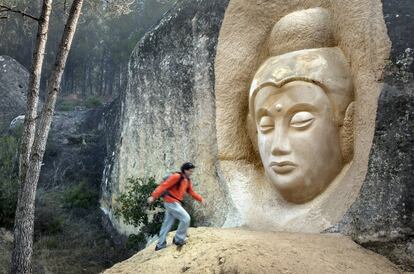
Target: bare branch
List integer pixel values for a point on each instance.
(4, 8)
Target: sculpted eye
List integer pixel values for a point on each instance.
(266, 124)
(302, 119)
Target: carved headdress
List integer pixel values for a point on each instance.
(302, 47)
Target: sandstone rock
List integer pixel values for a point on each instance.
(167, 113)
(212, 250)
(382, 217)
(168, 109)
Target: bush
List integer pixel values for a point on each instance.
(8, 178)
(47, 223)
(67, 105)
(51, 243)
(80, 196)
(8, 202)
(52, 149)
(93, 102)
(136, 241)
(134, 209)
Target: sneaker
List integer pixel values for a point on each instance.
(159, 247)
(178, 243)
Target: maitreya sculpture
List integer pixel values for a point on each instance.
(300, 107)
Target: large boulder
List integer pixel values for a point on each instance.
(14, 79)
(382, 217)
(167, 116)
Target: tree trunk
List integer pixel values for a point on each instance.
(23, 229)
(25, 206)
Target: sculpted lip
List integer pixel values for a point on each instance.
(282, 167)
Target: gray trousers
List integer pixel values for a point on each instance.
(174, 211)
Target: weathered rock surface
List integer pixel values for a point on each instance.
(13, 87)
(75, 149)
(166, 116)
(382, 217)
(211, 250)
(168, 109)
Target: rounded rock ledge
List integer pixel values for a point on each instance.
(215, 250)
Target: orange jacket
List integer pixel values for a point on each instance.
(175, 189)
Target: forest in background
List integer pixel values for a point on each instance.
(107, 33)
(70, 236)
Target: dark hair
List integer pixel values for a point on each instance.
(187, 166)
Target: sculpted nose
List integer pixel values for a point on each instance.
(280, 142)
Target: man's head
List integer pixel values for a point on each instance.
(187, 169)
(297, 105)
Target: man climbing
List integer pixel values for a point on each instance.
(173, 190)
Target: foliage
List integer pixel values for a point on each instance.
(51, 243)
(47, 223)
(80, 196)
(135, 211)
(107, 33)
(135, 241)
(52, 149)
(93, 102)
(67, 105)
(8, 201)
(9, 176)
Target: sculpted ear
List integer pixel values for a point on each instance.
(347, 134)
(252, 131)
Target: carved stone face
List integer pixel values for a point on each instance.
(298, 103)
(298, 139)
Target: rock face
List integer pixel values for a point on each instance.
(75, 149)
(211, 250)
(276, 53)
(167, 116)
(168, 109)
(382, 217)
(13, 87)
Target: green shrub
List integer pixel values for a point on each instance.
(51, 243)
(93, 102)
(67, 105)
(8, 202)
(136, 241)
(52, 149)
(8, 178)
(134, 209)
(80, 196)
(47, 223)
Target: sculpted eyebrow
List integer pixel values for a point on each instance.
(263, 112)
(302, 107)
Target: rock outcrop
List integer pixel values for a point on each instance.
(167, 113)
(75, 149)
(13, 87)
(210, 250)
(167, 116)
(382, 217)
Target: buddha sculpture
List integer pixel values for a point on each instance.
(300, 107)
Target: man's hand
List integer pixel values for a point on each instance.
(203, 202)
(150, 200)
